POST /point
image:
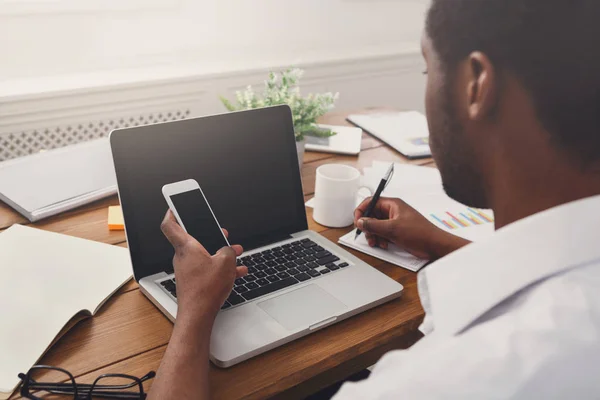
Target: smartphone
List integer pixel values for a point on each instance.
(191, 209)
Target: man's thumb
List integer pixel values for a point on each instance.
(375, 226)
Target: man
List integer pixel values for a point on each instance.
(513, 104)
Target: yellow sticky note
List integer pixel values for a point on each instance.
(115, 219)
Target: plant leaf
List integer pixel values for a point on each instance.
(284, 88)
(227, 104)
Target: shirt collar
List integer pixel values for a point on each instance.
(467, 283)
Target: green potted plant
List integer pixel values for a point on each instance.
(284, 88)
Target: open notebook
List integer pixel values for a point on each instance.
(49, 283)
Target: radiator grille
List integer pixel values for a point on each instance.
(22, 143)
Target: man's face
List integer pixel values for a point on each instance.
(450, 142)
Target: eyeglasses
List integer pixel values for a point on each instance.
(107, 386)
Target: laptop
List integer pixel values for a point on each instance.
(246, 164)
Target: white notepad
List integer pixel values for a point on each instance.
(393, 255)
(347, 140)
(45, 184)
(47, 279)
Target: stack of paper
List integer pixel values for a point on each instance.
(421, 188)
(405, 180)
(115, 219)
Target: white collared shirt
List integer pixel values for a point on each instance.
(514, 317)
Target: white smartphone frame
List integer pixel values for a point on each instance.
(187, 185)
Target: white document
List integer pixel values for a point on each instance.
(408, 174)
(347, 140)
(406, 178)
(45, 184)
(453, 217)
(421, 188)
(393, 254)
(360, 196)
(407, 132)
(47, 279)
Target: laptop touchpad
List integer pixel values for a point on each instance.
(303, 307)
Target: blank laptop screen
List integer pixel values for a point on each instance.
(245, 163)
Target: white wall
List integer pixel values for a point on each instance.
(205, 36)
(67, 64)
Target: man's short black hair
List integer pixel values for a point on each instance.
(551, 46)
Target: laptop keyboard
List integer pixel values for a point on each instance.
(275, 269)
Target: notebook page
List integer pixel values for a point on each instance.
(393, 254)
(47, 279)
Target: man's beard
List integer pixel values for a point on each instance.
(454, 156)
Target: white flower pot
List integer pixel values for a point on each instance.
(300, 151)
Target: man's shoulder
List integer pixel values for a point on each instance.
(566, 297)
(541, 342)
(544, 323)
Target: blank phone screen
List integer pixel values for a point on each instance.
(198, 220)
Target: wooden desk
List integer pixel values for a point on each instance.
(129, 335)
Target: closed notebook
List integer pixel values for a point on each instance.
(45, 184)
(49, 283)
(406, 132)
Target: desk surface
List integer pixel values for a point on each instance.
(129, 335)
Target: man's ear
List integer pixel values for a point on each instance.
(482, 86)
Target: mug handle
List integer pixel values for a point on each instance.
(370, 189)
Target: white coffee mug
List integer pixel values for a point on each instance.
(336, 190)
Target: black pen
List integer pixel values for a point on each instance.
(376, 196)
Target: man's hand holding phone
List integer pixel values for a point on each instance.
(203, 281)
